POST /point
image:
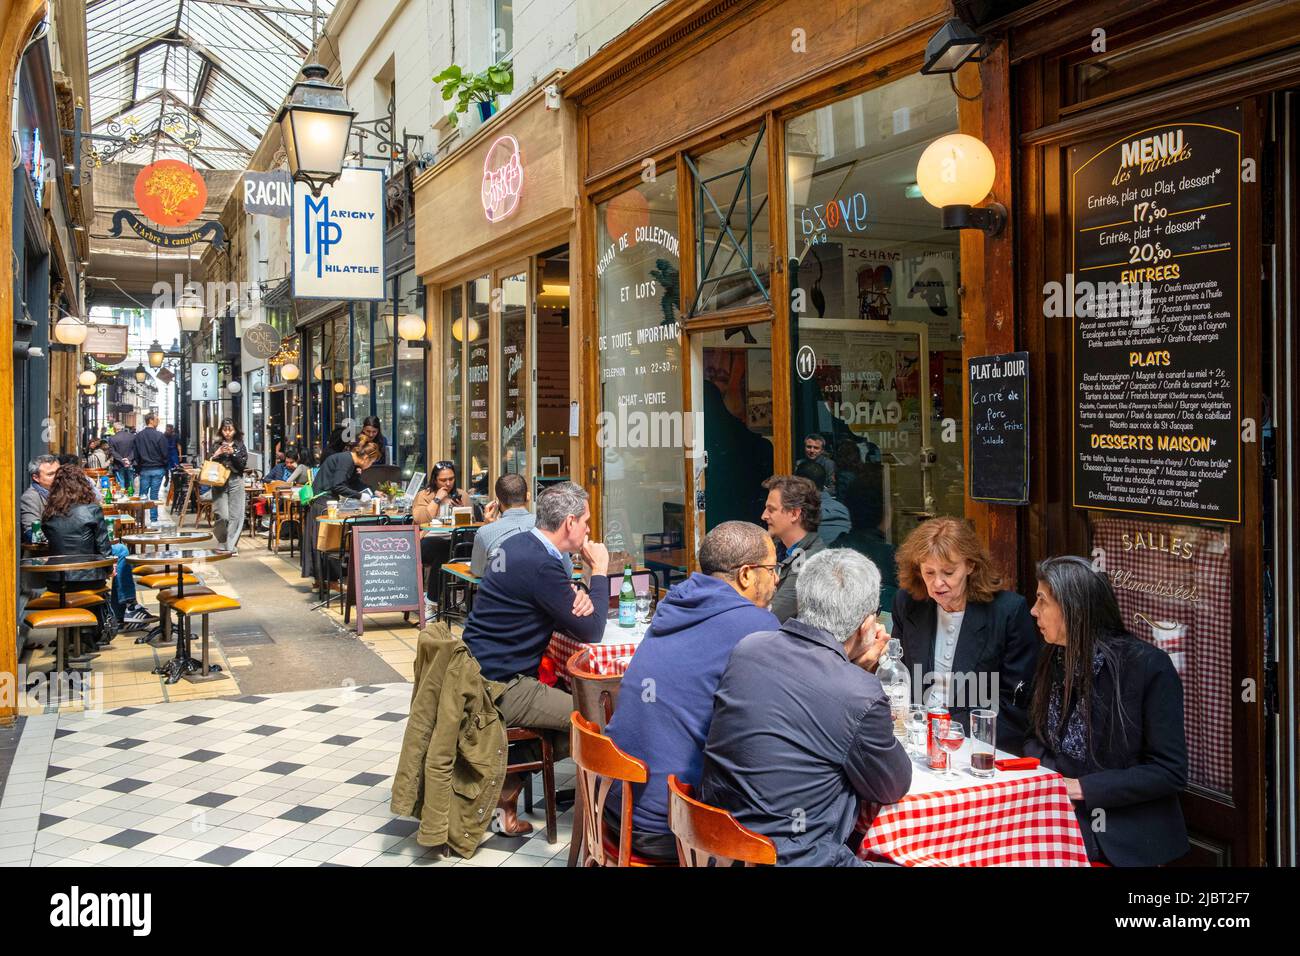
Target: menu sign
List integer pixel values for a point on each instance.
(999, 428)
(386, 571)
(1155, 297)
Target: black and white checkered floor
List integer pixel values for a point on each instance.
(295, 779)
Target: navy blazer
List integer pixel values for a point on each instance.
(1143, 761)
(996, 639)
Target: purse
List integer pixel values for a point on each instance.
(214, 474)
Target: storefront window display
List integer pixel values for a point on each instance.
(478, 447)
(514, 383)
(641, 429)
(451, 378)
(875, 319)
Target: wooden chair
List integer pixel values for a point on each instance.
(708, 836)
(600, 765)
(546, 764)
(596, 696)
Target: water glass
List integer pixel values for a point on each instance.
(643, 608)
(917, 731)
(983, 742)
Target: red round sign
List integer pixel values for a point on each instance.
(170, 192)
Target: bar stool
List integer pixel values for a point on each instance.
(168, 597)
(62, 619)
(201, 606)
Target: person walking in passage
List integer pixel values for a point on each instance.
(228, 500)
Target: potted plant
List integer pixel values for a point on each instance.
(481, 89)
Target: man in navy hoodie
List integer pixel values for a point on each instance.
(666, 703)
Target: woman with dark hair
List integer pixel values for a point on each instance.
(228, 500)
(74, 523)
(372, 430)
(970, 643)
(339, 476)
(1107, 714)
(441, 489)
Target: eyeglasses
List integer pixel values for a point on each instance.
(765, 567)
(440, 465)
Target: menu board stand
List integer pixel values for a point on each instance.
(387, 574)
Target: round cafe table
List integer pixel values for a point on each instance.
(60, 564)
(137, 506)
(162, 539)
(182, 663)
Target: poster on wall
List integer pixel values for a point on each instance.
(1155, 298)
(337, 247)
(1174, 586)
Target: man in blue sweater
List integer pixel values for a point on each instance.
(666, 706)
(526, 595)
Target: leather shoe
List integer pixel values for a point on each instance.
(508, 820)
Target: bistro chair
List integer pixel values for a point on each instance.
(601, 765)
(596, 696)
(709, 836)
(546, 764)
(202, 606)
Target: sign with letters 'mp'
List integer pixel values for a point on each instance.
(338, 238)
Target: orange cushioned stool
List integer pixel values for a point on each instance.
(166, 598)
(62, 619)
(164, 580)
(50, 600)
(201, 606)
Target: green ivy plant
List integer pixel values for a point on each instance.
(482, 87)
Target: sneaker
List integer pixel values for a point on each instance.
(138, 615)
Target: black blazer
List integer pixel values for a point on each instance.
(1143, 761)
(338, 477)
(82, 530)
(998, 638)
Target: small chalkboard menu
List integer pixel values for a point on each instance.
(1155, 297)
(386, 570)
(999, 428)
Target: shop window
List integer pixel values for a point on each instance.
(361, 320)
(453, 358)
(732, 239)
(257, 409)
(503, 30)
(514, 381)
(875, 320)
(478, 390)
(641, 428)
(409, 435)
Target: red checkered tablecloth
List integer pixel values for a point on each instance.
(1014, 819)
(606, 658)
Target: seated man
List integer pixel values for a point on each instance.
(506, 516)
(41, 470)
(793, 513)
(801, 728)
(280, 470)
(682, 658)
(524, 597)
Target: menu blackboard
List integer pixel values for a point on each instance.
(999, 428)
(1155, 298)
(386, 570)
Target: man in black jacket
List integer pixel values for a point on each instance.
(151, 460)
(122, 447)
(801, 727)
(525, 596)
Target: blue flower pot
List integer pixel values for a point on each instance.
(486, 109)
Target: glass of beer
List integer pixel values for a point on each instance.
(983, 742)
(331, 509)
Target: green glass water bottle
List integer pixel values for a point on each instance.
(627, 600)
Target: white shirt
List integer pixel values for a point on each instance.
(946, 631)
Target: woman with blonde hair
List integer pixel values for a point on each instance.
(967, 643)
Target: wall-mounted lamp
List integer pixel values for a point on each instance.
(953, 46)
(156, 355)
(411, 328)
(70, 331)
(87, 379)
(954, 173)
(233, 387)
(289, 372)
(339, 388)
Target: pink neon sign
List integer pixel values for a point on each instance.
(503, 178)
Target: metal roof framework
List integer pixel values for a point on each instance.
(196, 80)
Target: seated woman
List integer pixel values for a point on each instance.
(339, 477)
(1107, 713)
(435, 549)
(74, 523)
(971, 644)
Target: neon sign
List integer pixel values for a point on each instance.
(848, 213)
(503, 178)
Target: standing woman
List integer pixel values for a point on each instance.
(372, 430)
(966, 642)
(339, 476)
(228, 501)
(1107, 714)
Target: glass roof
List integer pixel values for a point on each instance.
(203, 75)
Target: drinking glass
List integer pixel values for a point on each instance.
(983, 742)
(916, 731)
(643, 608)
(951, 741)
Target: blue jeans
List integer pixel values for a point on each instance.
(123, 582)
(151, 480)
(125, 476)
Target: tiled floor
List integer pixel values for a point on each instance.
(295, 779)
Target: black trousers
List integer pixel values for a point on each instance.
(435, 551)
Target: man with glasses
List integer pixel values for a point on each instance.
(678, 665)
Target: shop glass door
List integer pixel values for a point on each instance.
(514, 389)
(478, 389)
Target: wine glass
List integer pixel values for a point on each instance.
(951, 740)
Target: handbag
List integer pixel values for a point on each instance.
(214, 473)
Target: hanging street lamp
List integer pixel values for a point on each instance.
(315, 123)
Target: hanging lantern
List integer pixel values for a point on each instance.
(156, 355)
(315, 123)
(140, 373)
(189, 312)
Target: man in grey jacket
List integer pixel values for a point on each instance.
(793, 513)
(801, 729)
(41, 470)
